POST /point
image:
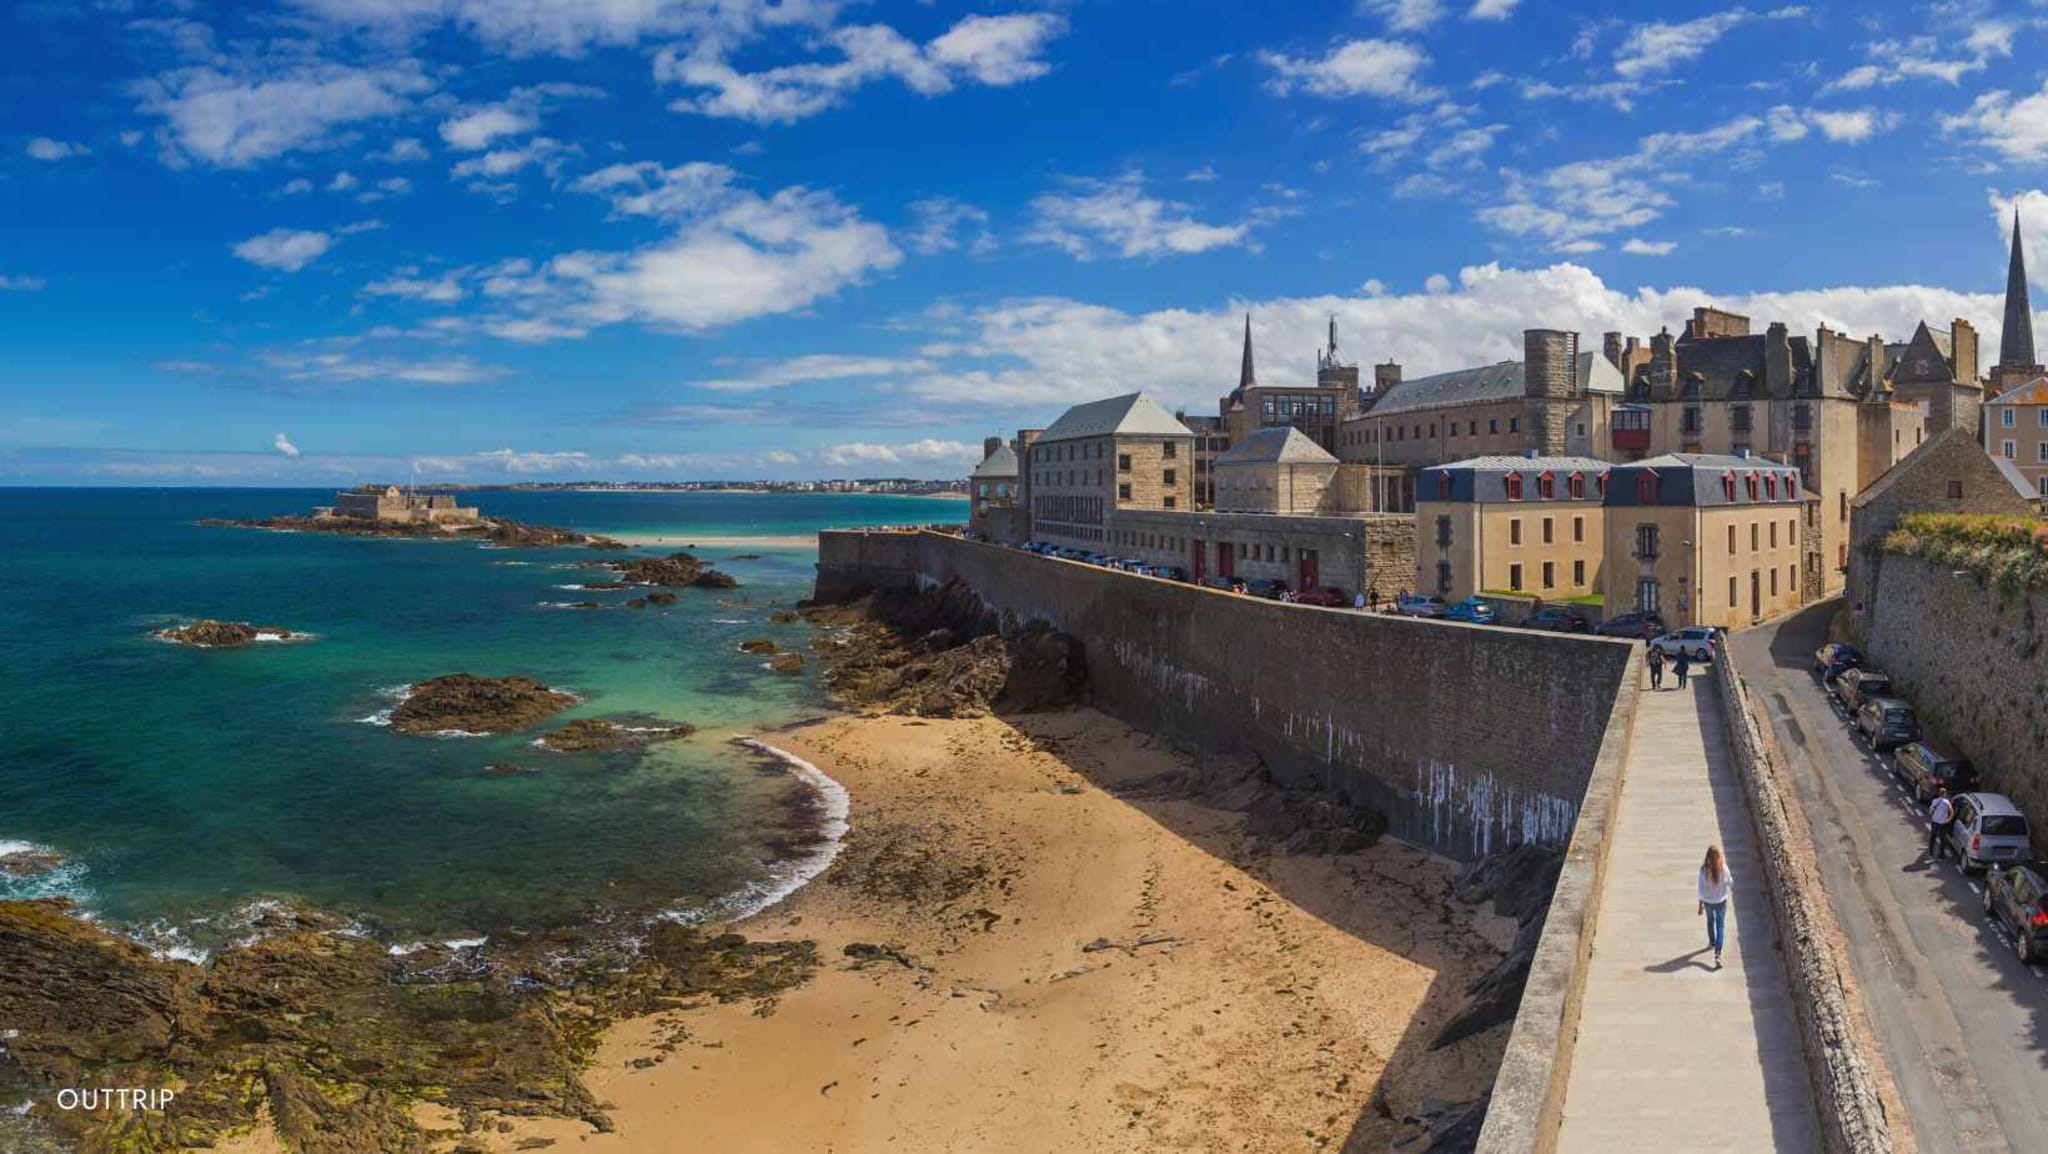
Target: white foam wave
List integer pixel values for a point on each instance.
(66, 879)
(402, 949)
(787, 877)
(730, 621)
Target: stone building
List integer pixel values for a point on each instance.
(391, 503)
(1708, 539)
(1529, 525)
(1317, 410)
(1936, 371)
(1554, 402)
(1950, 473)
(992, 491)
(2017, 361)
(1211, 441)
(1100, 458)
(1276, 470)
(2016, 431)
(1358, 553)
(1825, 406)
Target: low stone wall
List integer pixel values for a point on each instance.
(1846, 1067)
(1535, 1069)
(1469, 739)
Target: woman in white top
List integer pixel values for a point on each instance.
(1715, 886)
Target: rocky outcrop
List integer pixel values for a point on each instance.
(471, 704)
(598, 733)
(941, 653)
(1519, 883)
(1294, 821)
(787, 663)
(28, 862)
(496, 531)
(785, 617)
(207, 633)
(659, 597)
(758, 645)
(677, 570)
(715, 579)
(335, 1039)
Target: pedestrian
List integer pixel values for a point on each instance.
(1716, 884)
(1656, 668)
(1681, 665)
(1940, 816)
(1372, 597)
(1358, 602)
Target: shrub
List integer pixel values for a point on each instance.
(2010, 551)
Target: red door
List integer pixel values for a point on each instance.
(1201, 560)
(1226, 561)
(1308, 569)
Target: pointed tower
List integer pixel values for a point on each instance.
(2016, 340)
(1246, 378)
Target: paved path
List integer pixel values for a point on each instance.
(1673, 1055)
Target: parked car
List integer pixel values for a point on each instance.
(1923, 767)
(1556, 620)
(1328, 596)
(1989, 830)
(1169, 572)
(1268, 587)
(1641, 626)
(1853, 686)
(1227, 584)
(1695, 642)
(1887, 723)
(2017, 895)
(1419, 605)
(1471, 609)
(1830, 660)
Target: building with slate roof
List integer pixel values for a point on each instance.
(1123, 452)
(992, 490)
(1951, 473)
(1710, 539)
(1316, 409)
(1530, 526)
(1276, 470)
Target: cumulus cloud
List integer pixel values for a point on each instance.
(16, 283)
(1492, 9)
(924, 452)
(1660, 46)
(234, 116)
(1384, 68)
(477, 128)
(1636, 246)
(815, 367)
(1573, 204)
(2013, 128)
(539, 27)
(1117, 216)
(284, 249)
(283, 444)
(44, 148)
(1407, 15)
(995, 51)
(939, 219)
(408, 285)
(404, 150)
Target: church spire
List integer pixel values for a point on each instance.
(2016, 341)
(1245, 377)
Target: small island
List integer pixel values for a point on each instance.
(675, 570)
(207, 633)
(587, 734)
(466, 703)
(389, 511)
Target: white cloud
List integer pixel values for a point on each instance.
(1658, 47)
(301, 367)
(924, 452)
(1492, 9)
(44, 148)
(1202, 175)
(234, 119)
(1407, 15)
(1575, 202)
(2016, 130)
(359, 226)
(1639, 247)
(283, 444)
(1854, 126)
(296, 186)
(445, 289)
(130, 137)
(1386, 68)
(939, 218)
(284, 249)
(1117, 215)
(997, 51)
(503, 162)
(17, 283)
(816, 367)
(478, 128)
(537, 27)
(342, 182)
(404, 150)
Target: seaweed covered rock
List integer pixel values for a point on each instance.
(472, 704)
(207, 633)
(677, 569)
(758, 645)
(787, 663)
(599, 733)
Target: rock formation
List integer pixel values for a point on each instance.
(462, 701)
(676, 570)
(210, 634)
(787, 663)
(29, 862)
(497, 531)
(1519, 882)
(597, 733)
(758, 645)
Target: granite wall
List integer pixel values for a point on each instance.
(1468, 738)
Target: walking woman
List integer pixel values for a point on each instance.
(1715, 887)
(1681, 665)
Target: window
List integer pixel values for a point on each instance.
(1123, 492)
(1514, 486)
(1432, 428)
(1774, 581)
(1169, 449)
(1123, 462)
(1738, 418)
(1955, 490)
(1728, 486)
(1689, 420)
(1546, 487)
(1774, 534)
(1472, 427)
(1802, 418)
(1754, 536)
(1646, 488)
(1731, 538)
(1514, 424)
(1646, 542)
(1578, 528)
(1515, 577)
(1443, 531)
(1582, 428)
(1734, 593)
(1646, 596)
(2007, 449)
(2007, 416)
(1842, 499)
(2042, 483)
(1492, 426)
(1443, 578)
(1550, 575)
(1546, 533)
(1579, 573)
(1771, 486)
(1166, 502)
(1514, 530)
(2041, 449)
(1751, 483)
(1169, 477)
(1575, 486)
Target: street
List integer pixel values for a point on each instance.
(1963, 1024)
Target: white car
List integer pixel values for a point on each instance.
(1419, 605)
(1695, 642)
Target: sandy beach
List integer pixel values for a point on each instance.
(1019, 959)
(685, 541)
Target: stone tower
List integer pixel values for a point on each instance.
(1550, 381)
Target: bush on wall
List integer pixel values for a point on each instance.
(2009, 551)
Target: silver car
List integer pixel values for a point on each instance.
(1988, 830)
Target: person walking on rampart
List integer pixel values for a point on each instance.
(1681, 665)
(1716, 885)
(1656, 661)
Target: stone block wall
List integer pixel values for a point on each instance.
(1469, 739)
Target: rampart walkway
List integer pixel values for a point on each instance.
(1672, 1054)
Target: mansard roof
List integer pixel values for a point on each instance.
(1496, 382)
(1486, 478)
(1277, 444)
(1695, 479)
(1130, 415)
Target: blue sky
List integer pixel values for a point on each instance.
(326, 240)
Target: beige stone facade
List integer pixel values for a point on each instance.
(1532, 526)
(2016, 430)
(1100, 458)
(1706, 540)
(1361, 553)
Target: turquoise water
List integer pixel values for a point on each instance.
(185, 784)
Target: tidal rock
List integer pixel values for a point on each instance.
(758, 645)
(744, 557)
(713, 579)
(661, 597)
(463, 701)
(676, 569)
(28, 863)
(211, 634)
(585, 605)
(595, 733)
(785, 617)
(787, 663)
(636, 603)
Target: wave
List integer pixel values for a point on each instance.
(66, 879)
(399, 950)
(731, 621)
(785, 877)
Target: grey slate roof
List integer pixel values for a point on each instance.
(1497, 382)
(1278, 444)
(1000, 465)
(1695, 479)
(1133, 414)
(1486, 478)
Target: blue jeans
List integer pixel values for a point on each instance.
(1717, 925)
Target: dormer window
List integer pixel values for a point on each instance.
(1576, 486)
(1514, 486)
(1546, 487)
(1646, 488)
(1771, 486)
(1728, 486)
(1443, 486)
(1751, 480)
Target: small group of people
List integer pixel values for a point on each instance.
(1681, 665)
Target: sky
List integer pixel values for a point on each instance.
(325, 241)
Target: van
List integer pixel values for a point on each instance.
(1989, 830)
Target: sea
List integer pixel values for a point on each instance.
(189, 790)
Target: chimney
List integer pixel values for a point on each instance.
(1965, 349)
(989, 445)
(1385, 376)
(1610, 345)
(1777, 361)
